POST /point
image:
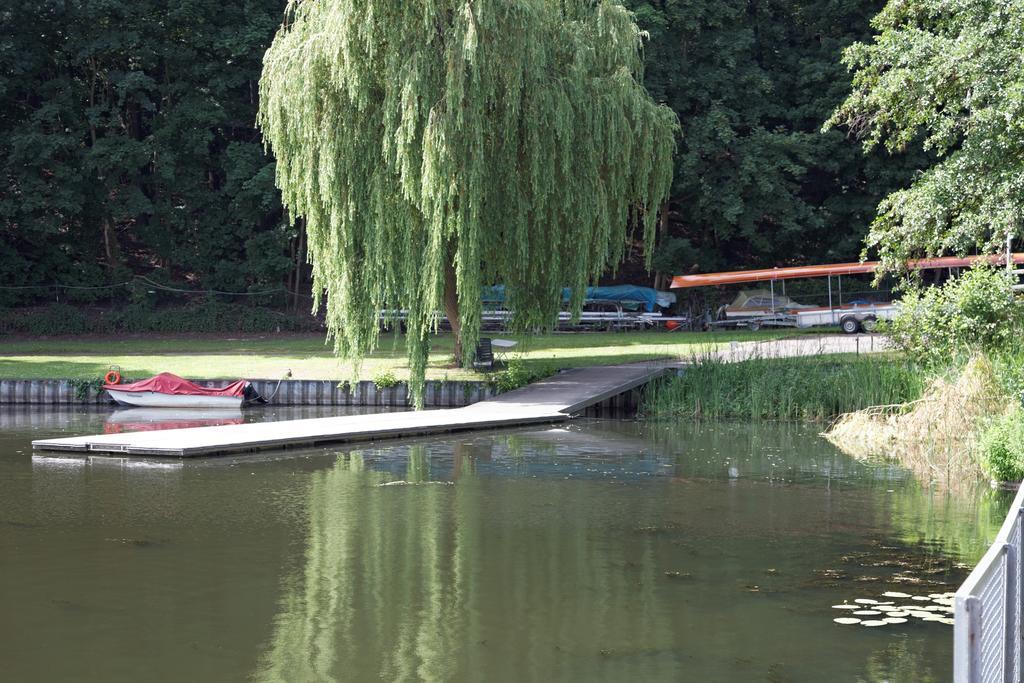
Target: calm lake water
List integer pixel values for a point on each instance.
(601, 550)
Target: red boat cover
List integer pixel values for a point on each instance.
(166, 383)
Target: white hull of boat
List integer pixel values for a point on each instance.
(152, 399)
(140, 415)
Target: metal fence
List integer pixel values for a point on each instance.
(987, 633)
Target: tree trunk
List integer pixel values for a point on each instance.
(659, 277)
(451, 306)
(111, 247)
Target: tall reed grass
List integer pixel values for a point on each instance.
(802, 388)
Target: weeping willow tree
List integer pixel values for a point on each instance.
(438, 146)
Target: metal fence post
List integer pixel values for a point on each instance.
(973, 627)
(1018, 627)
(1010, 625)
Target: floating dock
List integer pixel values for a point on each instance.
(554, 399)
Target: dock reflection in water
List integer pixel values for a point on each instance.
(607, 550)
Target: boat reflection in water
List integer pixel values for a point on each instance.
(152, 419)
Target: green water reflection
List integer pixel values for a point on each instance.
(609, 550)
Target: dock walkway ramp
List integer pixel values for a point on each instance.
(554, 399)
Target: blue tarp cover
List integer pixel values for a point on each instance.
(644, 296)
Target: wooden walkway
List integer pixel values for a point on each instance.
(551, 400)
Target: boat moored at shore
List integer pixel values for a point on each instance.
(167, 390)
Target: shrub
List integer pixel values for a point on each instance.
(1001, 447)
(141, 317)
(518, 375)
(976, 311)
(45, 322)
(385, 379)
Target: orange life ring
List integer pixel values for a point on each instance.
(112, 377)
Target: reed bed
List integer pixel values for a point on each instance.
(935, 436)
(815, 388)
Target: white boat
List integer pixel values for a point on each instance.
(155, 399)
(170, 391)
(151, 419)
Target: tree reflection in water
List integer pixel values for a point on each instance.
(506, 570)
(391, 584)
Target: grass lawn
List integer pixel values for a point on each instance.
(308, 357)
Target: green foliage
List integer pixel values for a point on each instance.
(85, 387)
(59, 319)
(518, 375)
(204, 316)
(1009, 369)
(1001, 447)
(755, 181)
(948, 74)
(975, 312)
(508, 140)
(814, 388)
(128, 145)
(385, 379)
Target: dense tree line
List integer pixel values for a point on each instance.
(128, 143)
(951, 77)
(128, 146)
(757, 183)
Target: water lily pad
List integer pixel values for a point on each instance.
(895, 620)
(846, 620)
(874, 622)
(946, 620)
(921, 615)
(866, 601)
(925, 598)
(895, 594)
(868, 612)
(845, 606)
(899, 613)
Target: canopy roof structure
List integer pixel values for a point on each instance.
(772, 274)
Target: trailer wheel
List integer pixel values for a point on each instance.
(869, 323)
(849, 324)
(754, 325)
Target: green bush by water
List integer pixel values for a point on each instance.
(385, 379)
(815, 388)
(518, 375)
(976, 312)
(1001, 447)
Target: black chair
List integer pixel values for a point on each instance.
(484, 357)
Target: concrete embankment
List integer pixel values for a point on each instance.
(291, 392)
